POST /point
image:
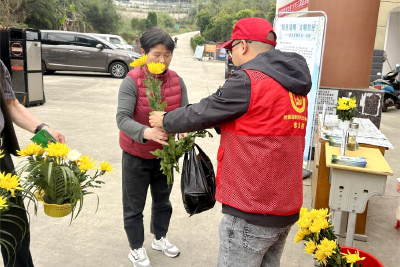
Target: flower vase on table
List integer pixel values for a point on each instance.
(343, 124)
(345, 110)
(59, 177)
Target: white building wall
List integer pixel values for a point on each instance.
(392, 43)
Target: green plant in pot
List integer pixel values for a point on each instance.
(60, 177)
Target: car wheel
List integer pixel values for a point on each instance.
(45, 70)
(384, 108)
(118, 70)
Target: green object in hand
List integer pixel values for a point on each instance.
(43, 137)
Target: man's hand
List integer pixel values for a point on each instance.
(156, 120)
(59, 137)
(156, 134)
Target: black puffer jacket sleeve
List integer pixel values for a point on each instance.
(228, 103)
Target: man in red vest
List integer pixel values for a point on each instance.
(262, 113)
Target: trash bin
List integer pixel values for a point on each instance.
(25, 60)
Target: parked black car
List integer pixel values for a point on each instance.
(229, 67)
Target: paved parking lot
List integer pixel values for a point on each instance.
(83, 107)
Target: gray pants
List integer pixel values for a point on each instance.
(247, 245)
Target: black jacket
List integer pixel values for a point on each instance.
(232, 100)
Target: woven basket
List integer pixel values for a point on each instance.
(57, 211)
(54, 210)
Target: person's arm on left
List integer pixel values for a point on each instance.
(20, 115)
(24, 119)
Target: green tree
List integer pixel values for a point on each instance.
(245, 13)
(203, 19)
(164, 20)
(151, 20)
(259, 14)
(271, 13)
(138, 25)
(41, 15)
(220, 28)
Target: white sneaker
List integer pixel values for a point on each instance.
(139, 257)
(166, 247)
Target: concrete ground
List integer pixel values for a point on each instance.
(83, 107)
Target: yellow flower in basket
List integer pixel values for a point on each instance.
(1, 154)
(86, 163)
(60, 178)
(10, 182)
(31, 150)
(156, 68)
(105, 166)
(57, 150)
(140, 62)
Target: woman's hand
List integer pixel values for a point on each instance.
(398, 187)
(156, 134)
(181, 135)
(156, 119)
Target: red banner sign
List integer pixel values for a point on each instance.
(293, 6)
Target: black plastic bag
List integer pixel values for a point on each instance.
(197, 182)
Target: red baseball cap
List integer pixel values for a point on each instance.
(252, 29)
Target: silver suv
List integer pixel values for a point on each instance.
(74, 51)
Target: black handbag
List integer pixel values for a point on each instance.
(197, 182)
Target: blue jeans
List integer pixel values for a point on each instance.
(247, 245)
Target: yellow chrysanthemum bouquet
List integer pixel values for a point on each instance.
(170, 154)
(60, 176)
(346, 108)
(321, 241)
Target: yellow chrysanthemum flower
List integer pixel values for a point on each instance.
(86, 163)
(343, 104)
(352, 103)
(30, 150)
(325, 250)
(352, 258)
(1, 154)
(140, 62)
(321, 257)
(105, 166)
(318, 224)
(303, 212)
(304, 222)
(156, 68)
(3, 202)
(310, 247)
(10, 182)
(300, 235)
(57, 150)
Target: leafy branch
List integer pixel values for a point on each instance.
(171, 153)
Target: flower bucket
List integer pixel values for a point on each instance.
(342, 124)
(57, 211)
(370, 261)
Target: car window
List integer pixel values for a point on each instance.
(58, 38)
(115, 40)
(86, 41)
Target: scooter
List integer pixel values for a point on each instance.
(390, 84)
